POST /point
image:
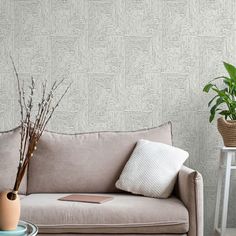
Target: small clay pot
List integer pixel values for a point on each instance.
(9, 210)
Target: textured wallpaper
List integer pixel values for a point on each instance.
(133, 63)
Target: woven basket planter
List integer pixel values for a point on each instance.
(227, 129)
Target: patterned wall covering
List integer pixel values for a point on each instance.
(133, 63)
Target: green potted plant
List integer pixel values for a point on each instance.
(224, 104)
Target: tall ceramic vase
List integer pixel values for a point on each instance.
(9, 210)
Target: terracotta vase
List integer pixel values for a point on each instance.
(9, 211)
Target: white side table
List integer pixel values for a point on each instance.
(226, 156)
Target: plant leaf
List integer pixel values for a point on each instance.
(220, 77)
(212, 112)
(231, 70)
(208, 87)
(211, 118)
(223, 93)
(224, 113)
(209, 103)
(215, 108)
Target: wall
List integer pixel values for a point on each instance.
(133, 63)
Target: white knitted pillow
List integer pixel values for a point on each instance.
(152, 169)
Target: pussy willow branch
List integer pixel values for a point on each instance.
(21, 108)
(53, 109)
(40, 105)
(19, 89)
(31, 130)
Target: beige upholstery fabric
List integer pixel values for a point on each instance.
(89, 162)
(190, 192)
(9, 159)
(124, 214)
(21, 196)
(113, 234)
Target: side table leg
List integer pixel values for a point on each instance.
(226, 192)
(218, 194)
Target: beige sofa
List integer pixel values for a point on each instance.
(91, 163)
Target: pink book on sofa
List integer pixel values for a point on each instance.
(86, 198)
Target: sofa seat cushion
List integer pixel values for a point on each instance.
(126, 213)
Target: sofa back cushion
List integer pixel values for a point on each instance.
(90, 162)
(9, 160)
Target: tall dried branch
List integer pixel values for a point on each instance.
(22, 133)
(32, 129)
(54, 108)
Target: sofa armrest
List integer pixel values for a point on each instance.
(189, 189)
